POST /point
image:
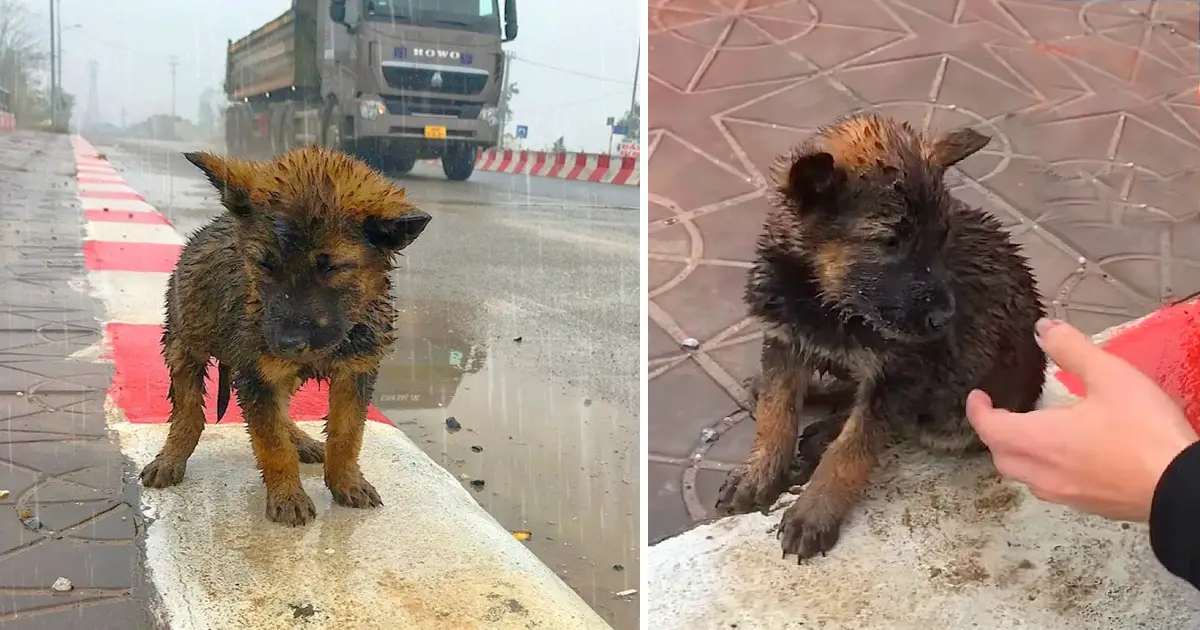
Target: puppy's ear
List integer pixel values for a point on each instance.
(230, 177)
(396, 233)
(955, 146)
(813, 180)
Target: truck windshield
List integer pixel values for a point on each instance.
(479, 16)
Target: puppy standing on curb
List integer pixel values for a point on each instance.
(289, 284)
(868, 269)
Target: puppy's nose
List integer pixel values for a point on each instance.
(293, 342)
(938, 318)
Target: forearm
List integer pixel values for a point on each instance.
(1175, 516)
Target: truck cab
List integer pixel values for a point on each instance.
(391, 81)
(427, 77)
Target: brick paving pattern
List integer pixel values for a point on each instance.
(68, 503)
(1094, 166)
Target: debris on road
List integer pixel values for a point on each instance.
(62, 585)
(477, 449)
(522, 535)
(690, 344)
(478, 484)
(453, 425)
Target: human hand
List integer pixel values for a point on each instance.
(1103, 454)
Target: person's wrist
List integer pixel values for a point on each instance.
(1164, 453)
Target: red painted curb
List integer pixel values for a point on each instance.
(1166, 347)
(124, 216)
(140, 382)
(128, 256)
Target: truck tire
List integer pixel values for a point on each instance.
(402, 164)
(283, 129)
(459, 163)
(235, 131)
(332, 127)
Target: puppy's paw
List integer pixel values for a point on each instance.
(290, 507)
(810, 526)
(356, 493)
(163, 473)
(749, 488)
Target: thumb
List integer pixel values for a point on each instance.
(1072, 350)
(986, 419)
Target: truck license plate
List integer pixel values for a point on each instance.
(435, 131)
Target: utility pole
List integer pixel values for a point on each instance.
(174, 61)
(58, 33)
(637, 66)
(504, 99)
(53, 70)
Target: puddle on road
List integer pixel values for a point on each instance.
(557, 465)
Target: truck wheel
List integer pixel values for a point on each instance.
(235, 130)
(459, 163)
(283, 131)
(332, 127)
(402, 164)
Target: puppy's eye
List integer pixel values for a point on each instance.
(265, 266)
(891, 244)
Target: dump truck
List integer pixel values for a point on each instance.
(391, 82)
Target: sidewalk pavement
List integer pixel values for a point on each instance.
(69, 497)
(1094, 166)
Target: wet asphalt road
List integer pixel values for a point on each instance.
(519, 319)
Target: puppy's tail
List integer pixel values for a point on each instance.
(222, 390)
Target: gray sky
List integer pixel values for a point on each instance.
(132, 40)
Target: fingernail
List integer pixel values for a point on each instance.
(1044, 325)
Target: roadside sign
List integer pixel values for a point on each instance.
(522, 131)
(620, 130)
(610, 121)
(631, 149)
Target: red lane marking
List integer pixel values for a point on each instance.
(141, 379)
(119, 256)
(104, 194)
(1164, 346)
(125, 216)
(95, 179)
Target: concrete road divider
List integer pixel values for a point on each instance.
(431, 557)
(942, 542)
(604, 169)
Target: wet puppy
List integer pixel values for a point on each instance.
(289, 284)
(868, 269)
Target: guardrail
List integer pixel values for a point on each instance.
(603, 169)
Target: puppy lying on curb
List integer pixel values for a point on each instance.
(869, 270)
(290, 283)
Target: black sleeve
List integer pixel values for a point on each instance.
(1175, 516)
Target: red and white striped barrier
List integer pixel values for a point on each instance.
(8, 122)
(603, 169)
(129, 250)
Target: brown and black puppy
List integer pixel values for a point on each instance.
(289, 284)
(868, 269)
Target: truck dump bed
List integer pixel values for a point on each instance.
(278, 55)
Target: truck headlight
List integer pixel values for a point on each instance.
(490, 115)
(371, 108)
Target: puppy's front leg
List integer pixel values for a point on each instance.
(764, 476)
(813, 523)
(349, 395)
(265, 406)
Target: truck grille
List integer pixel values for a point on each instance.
(421, 106)
(420, 79)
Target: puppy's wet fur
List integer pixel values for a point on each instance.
(869, 270)
(289, 283)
